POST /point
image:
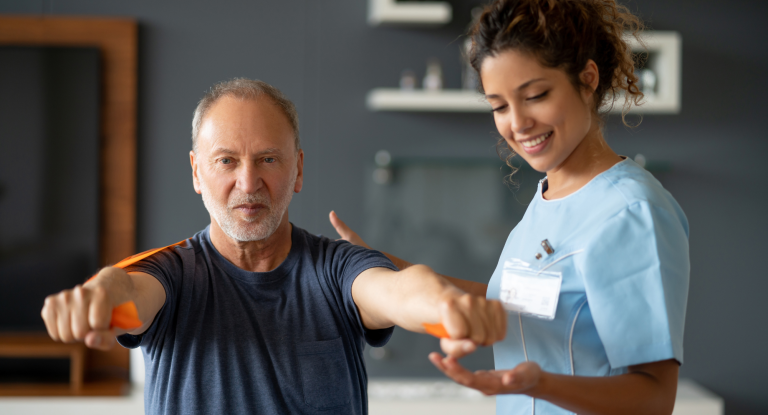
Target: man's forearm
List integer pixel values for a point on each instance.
(420, 291)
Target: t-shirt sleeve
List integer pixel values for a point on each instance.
(166, 266)
(636, 273)
(348, 263)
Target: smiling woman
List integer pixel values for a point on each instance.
(596, 273)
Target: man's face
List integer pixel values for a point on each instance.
(246, 167)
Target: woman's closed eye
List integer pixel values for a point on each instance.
(537, 97)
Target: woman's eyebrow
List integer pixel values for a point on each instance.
(527, 84)
(518, 89)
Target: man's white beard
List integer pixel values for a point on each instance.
(254, 229)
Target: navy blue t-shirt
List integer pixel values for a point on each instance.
(229, 341)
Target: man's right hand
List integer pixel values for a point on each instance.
(84, 313)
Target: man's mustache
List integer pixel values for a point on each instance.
(251, 198)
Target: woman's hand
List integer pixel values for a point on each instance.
(345, 232)
(647, 388)
(522, 379)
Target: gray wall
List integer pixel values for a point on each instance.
(325, 57)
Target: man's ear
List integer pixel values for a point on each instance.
(299, 172)
(195, 179)
(589, 76)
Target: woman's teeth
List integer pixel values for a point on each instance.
(536, 141)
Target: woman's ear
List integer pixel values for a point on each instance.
(590, 76)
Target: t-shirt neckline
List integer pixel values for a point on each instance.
(238, 273)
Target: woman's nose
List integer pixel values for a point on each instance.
(520, 122)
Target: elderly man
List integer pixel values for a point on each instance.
(253, 314)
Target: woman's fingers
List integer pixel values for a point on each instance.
(345, 232)
(341, 228)
(486, 382)
(523, 377)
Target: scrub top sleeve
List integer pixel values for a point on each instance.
(636, 271)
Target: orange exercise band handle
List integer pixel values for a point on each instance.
(126, 316)
(437, 330)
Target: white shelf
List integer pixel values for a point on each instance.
(383, 12)
(666, 63)
(447, 100)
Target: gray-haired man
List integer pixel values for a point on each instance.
(253, 314)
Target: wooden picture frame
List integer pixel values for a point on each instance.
(106, 373)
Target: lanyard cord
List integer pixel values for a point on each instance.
(570, 341)
(525, 352)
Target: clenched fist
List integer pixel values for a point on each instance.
(471, 320)
(83, 313)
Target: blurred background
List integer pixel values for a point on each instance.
(428, 185)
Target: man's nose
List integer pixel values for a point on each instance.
(249, 178)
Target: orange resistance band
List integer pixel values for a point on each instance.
(125, 316)
(437, 330)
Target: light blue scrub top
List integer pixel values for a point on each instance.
(621, 244)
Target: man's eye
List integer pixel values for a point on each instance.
(269, 159)
(226, 161)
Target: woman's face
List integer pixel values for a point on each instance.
(536, 109)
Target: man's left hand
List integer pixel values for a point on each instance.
(471, 320)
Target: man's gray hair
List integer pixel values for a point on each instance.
(244, 88)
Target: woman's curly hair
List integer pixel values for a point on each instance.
(565, 34)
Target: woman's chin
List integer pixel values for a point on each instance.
(537, 163)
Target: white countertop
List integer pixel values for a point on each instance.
(402, 397)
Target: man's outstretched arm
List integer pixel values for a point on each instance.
(352, 237)
(419, 295)
(83, 313)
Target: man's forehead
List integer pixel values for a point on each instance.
(232, 122)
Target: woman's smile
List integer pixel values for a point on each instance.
(536, 144)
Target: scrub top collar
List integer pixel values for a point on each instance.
(543, 184)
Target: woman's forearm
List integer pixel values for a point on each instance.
(647, 389)
(401, 264)
(474, 288)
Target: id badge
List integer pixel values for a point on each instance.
(527, 291)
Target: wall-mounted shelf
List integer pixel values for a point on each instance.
(447, 100)
(391, 12)
(664, 49)
(665, 60)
